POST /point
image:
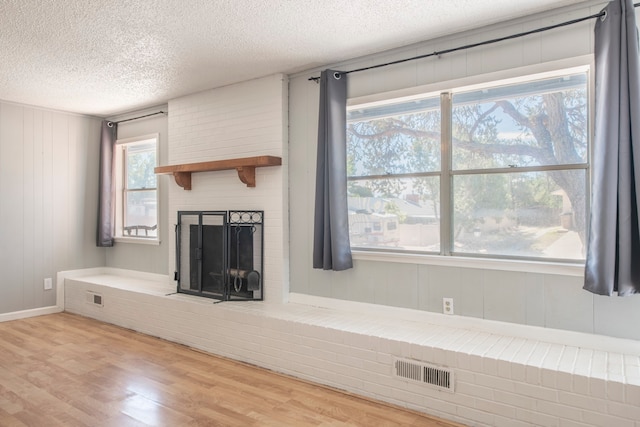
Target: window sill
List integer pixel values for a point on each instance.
(137, 240)
(565, 269)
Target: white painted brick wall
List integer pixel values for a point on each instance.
(354, 352)
(242, 120)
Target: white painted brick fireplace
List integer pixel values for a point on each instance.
(243, 120)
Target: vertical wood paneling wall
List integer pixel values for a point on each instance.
(48, 203)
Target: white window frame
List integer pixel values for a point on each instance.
(121, 192)
(505, 77)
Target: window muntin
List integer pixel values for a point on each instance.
(515, 169)
(137, 201)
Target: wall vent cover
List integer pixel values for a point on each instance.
(434, 376)
(94, 298)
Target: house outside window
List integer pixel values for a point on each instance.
(137, 189)
(495, 170)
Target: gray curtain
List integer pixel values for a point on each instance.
(106, 190)
(613, 249)
(331, 246)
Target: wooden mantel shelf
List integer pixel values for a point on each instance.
(246, 168)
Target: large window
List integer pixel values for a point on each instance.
(497, 170)
(137, 201)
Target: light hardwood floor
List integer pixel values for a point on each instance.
(67, 370)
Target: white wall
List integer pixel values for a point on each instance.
(533, 298)
(136, 256)
(241, 120)
(48, 204)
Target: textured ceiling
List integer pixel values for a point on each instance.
(104, 57)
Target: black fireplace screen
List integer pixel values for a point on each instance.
(219, 254)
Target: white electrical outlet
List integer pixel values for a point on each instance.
(48, 284)
(447, 305)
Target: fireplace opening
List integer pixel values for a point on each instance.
(219, 254)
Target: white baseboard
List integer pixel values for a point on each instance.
(5, 317)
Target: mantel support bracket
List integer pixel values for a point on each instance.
(247, 175)
(183, 179)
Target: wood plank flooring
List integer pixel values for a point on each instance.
(67, 370)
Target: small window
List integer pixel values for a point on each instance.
(137, 188)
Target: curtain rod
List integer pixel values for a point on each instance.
(602, 15)
(110, 123)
